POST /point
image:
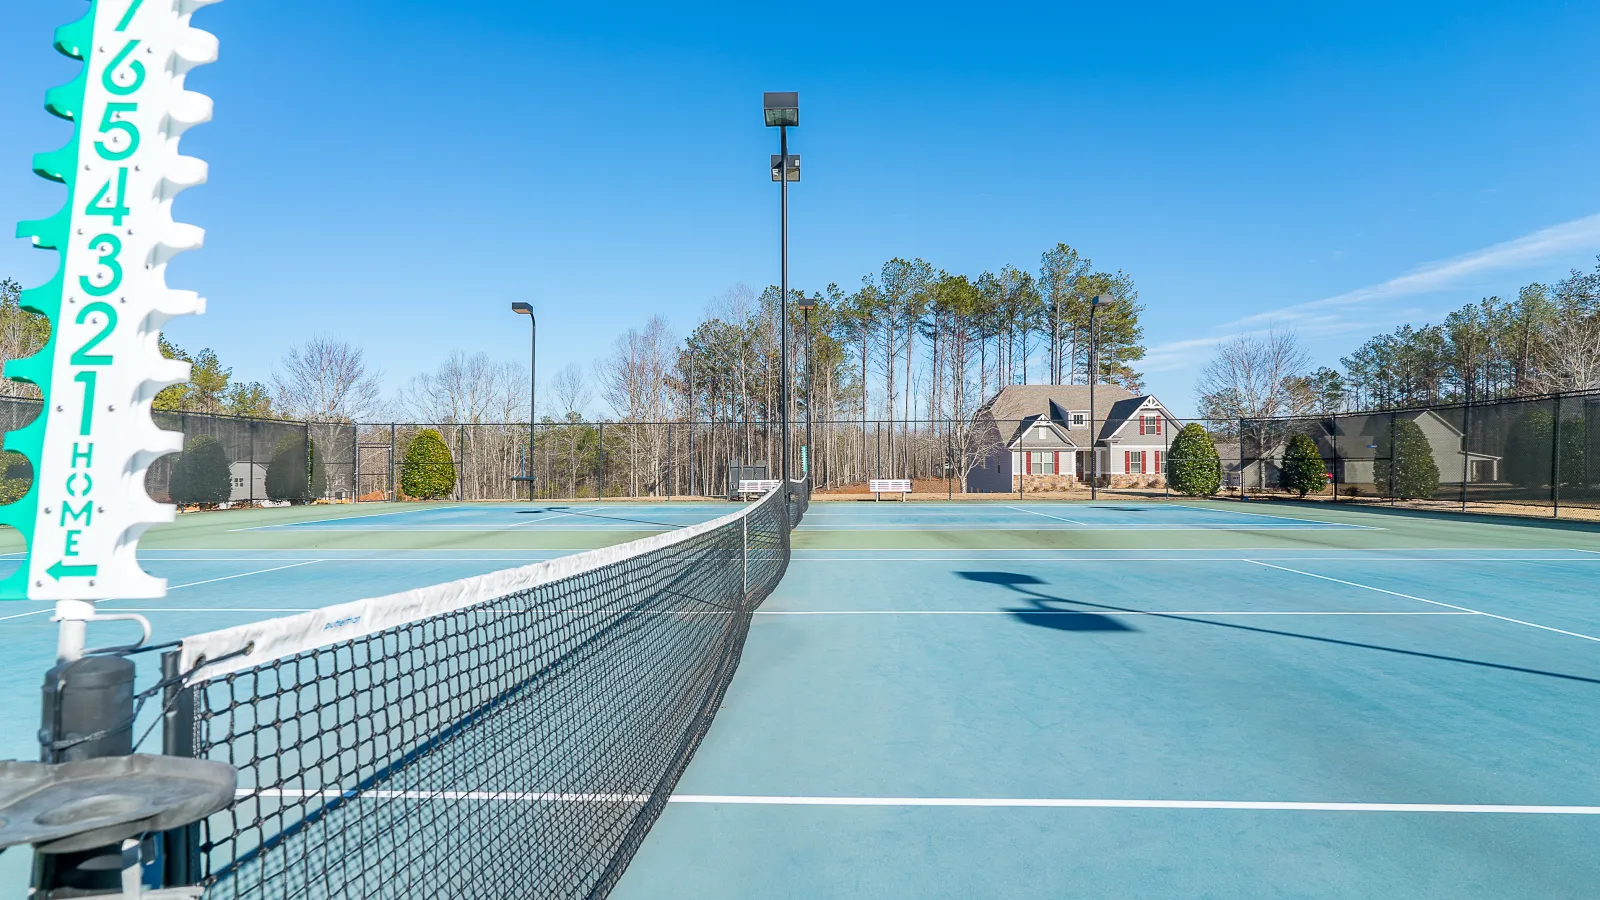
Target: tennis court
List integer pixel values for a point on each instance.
(1203, 699)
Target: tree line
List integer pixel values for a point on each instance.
(1546, 340)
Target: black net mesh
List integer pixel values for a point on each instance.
(519, 747)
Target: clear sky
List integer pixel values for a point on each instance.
(397, 172)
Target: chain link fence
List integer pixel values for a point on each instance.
(1535, 456)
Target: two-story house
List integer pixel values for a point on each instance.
(1042, 438)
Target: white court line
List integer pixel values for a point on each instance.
(548, 518)
(992, 802)
(1047, 515)
(1587, 637)
(1240, 512)
(1071, 559)
(243, 574)
(958, 526)
(1075, 612)
(397, 512)
(231, 609)
(23, 615)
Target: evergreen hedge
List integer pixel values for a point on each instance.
(1528, 450)
(200, 474)
(295, 472)
(1409, 471)
(1193, 467)
(1303, 470)
(426, 470)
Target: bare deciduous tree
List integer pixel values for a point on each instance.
(571, 391)
(468, 390)
(327, 380)
(1253, 377)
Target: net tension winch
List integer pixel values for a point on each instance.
(103, 820)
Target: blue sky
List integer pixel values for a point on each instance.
(397, 173)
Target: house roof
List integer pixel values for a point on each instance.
(1026, 401)
(1022, 403)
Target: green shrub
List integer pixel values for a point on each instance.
(1528, 450)
(426, 471)
(201, 474)
(16, 476)
(1409, 472)
(295, 472)
(1303, 470)
(1193, 466)
(1527, 460)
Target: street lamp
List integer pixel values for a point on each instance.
(1095, 305)
(808, 458)
(526, 309)
(781, 109)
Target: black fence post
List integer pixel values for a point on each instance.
(1466, 451)
(1338, 464)
(1555, 462)
(600, 456)
(394, 489)
(250, 474)
(1394, 459)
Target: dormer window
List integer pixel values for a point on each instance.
(1077, 420)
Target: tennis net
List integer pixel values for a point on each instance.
(509, 735)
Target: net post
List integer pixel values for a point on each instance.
(180, 847)
(87, 713)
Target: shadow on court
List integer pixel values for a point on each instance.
(1043, 613)
(1046, 613)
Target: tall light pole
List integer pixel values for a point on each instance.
(808, 459)
(1095, 305)
(782, 109)
(526, 309)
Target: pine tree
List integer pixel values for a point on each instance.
(1303, 470)
(1193, 467)
(426, 471)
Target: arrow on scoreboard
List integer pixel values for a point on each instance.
(61, 570)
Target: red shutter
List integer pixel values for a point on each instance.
(1027, 463)
(1127, 461)
(1158, 469)
(1141, 424)
(1058, 462)
(1158, 424)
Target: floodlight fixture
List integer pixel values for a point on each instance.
(781, 108)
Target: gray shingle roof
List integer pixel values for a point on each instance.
(1022, 401)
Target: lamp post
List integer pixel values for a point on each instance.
(781, 109)
(807, 459)
(1095, 305)
(526, 309)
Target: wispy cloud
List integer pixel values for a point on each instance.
(1345, 312)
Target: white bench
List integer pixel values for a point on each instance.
(901, 486)
(749, 486)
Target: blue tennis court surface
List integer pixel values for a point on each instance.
(521, 516)
(889, 516)
(1334, 705)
